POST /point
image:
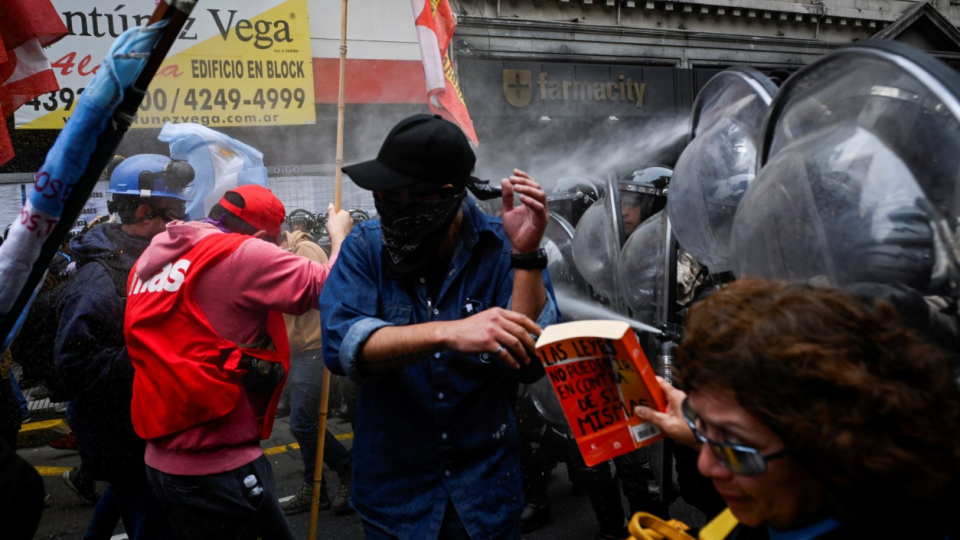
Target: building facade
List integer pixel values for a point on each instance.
(602, 84)
(557, 87)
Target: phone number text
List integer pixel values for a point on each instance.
(204, 99)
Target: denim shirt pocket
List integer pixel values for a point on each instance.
(398, 314)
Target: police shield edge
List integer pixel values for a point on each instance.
(710, 177)
(851, 195)
(719, 162)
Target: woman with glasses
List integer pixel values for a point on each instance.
(817, 415)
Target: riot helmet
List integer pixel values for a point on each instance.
(643, 193)
(714, 170)
(860, 159)
(571, 196)
(301, 220)
(150, 179)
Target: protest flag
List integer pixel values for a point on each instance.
(435, 27)
(27, 26)
(221, 163)
(86, 144)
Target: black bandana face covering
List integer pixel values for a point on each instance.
(413, 231)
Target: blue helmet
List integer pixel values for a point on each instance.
(151, 175)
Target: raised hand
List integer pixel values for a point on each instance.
(524, 224)
(338, 226)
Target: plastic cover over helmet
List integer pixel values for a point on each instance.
(859, 180)
(571, 196)
(715, 168)
(151, 175)
(596, 244)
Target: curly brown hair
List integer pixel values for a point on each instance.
(860, 400)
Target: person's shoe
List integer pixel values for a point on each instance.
(341, 503)
(534, 516)
(84, 487)
(301, 501)
(67, 442)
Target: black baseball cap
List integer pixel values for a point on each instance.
(421, 148)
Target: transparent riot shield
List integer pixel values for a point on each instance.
(596, 245)
(570, 287)
(571, 291)
(638, 270)
(858, 187)
(718, 164)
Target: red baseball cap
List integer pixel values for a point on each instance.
(257, 206)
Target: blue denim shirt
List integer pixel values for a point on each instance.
(442, 427)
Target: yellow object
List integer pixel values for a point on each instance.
(720, 527)
(52, 471)
(644, 526)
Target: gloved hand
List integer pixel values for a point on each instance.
(909, 303)
(261, 375)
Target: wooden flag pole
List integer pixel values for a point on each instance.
(337, 198)
(341, 107)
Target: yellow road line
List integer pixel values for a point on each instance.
(280, 449)
(296, 446)
(46, 424)
(57, 471)
(52, 471)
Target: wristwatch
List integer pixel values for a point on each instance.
(535, 260)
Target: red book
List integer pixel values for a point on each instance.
(599, 373)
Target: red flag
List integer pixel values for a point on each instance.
(26, 27)
(435, 27)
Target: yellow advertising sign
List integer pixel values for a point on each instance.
(234, 64)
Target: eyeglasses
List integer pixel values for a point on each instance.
(741, 460)
(173, 210)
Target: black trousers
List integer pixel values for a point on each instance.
(216, 506)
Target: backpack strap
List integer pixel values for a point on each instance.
(118, 274)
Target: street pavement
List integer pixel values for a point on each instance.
(66, 516)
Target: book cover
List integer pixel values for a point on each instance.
(600, 373)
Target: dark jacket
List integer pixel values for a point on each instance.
(34, 346)
(92, 357)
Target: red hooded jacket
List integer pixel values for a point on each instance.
(186, 373)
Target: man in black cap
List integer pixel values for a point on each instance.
(431, 312)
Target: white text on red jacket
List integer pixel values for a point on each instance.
(169, 279)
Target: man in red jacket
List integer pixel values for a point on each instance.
(205, 332)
